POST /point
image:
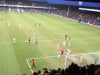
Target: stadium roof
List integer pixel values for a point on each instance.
(86, 3)
(82, 3)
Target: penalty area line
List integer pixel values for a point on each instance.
(29, 65)
(56, 57)
(65, 55)
(41, 57)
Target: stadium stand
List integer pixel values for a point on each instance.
(78, 15)
(73, 69)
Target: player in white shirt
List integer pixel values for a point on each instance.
(81, 58)
(58, 53)
(8, 23)
(33, 34)
(69, 44)
(64, 43)
(58, 44)
(14, 39)
(69, 41)
(99, 61)
(67, 53)
(20, 26)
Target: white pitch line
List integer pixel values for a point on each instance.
(64, 55)
(29, 65)
(43, 40)
(86, 38)
(41, 57)
(65, 63)
(85, 53)
(48, 40)
(5, 42)
(27, 41)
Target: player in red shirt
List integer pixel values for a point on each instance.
(1, 19)
(29, 39)
(69, 38)
(34, 24)
(65, 37)
(36, 42)
(62, 51)
(33, 64)
(39, 24)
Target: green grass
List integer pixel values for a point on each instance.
(13, 57)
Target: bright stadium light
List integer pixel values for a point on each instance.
(87, 9)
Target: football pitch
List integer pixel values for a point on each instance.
(16, 58)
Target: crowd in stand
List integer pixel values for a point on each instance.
(25, 3)
(26, 6)
(73, 69)
(74, 13)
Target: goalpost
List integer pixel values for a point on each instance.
(87, 58)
